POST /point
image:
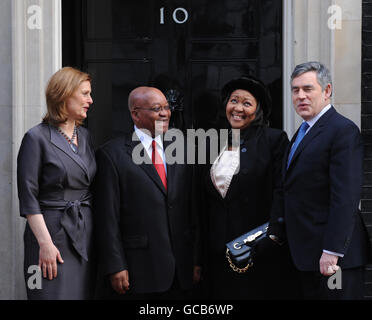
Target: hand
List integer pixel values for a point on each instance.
(328, 264)
(196, 274)
(276, 230)
(120, 281)
(276, 239)
(48, 257)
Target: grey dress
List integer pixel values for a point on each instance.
(54, 181)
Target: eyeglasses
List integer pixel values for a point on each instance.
(155, 109)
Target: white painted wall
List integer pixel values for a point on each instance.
(308, 37)
(28, 57)
(7, 234)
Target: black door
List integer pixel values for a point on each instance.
(186, 48)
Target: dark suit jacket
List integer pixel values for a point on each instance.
(47, 167)
(140, 226)
(252, 190)
(322, 189)
(49, 176)
(249, 201)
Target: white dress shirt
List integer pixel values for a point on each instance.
(317, 117)
(146, 141)
(224, 168)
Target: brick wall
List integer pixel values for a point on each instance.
(366, 125)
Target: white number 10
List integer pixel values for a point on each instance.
(175, 19)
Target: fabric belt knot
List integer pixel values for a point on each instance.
(74, 224)
(72, 220)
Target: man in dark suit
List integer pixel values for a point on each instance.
(322, 174)
(143, 206)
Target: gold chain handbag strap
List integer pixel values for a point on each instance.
(234, 267)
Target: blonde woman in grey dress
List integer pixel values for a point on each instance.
(55, 168)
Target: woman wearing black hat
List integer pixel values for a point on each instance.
(240, 189)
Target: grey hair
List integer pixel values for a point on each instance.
(322, 73)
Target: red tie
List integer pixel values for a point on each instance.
(159, 165)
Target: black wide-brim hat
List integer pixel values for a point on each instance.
(254, 86)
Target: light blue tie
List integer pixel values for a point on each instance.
(300, 135)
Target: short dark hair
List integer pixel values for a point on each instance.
(322, 73)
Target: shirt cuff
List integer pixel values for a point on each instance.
(334, 253)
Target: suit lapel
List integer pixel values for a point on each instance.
(313, 132)
(286, 154)
(147, 165)
(62, 144)
(209, 184)
(247, 158)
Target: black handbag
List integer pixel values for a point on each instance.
(240, 251)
